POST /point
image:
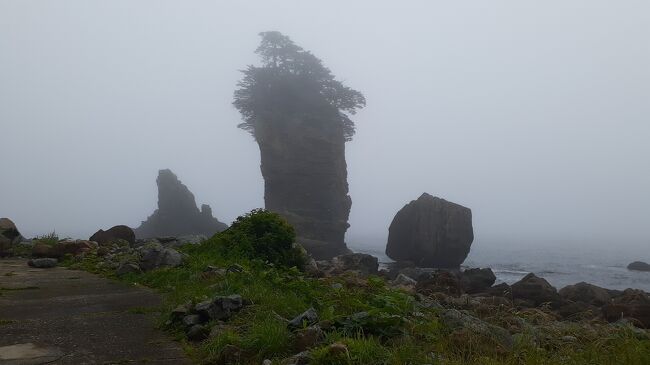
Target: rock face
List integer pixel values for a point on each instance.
(639, 266)
(431, 232)
(9, 236)
(113, 234)
(305, 180)
(177, 213)
(535, 290)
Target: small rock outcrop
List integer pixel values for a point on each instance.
(477, 280)
(9, 236)
(639, 266)
(534, 290)
(585, 293)
(177, 213)
(431, 232)
(113, 234)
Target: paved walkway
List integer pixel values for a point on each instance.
(60, 316)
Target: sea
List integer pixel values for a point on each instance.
(561, 264)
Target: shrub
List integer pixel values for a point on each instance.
(261, 235)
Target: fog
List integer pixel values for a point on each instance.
(532, 113)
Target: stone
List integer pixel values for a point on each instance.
(431, 232)
(191, 320)
(307, 338)
(9, 236)
(439, 282)
(361, 262)
(113, 234)
(192, 239)
(128, 268)
(477, 280)
(181, 311)
(197, 333)
(155, 256)
(403, 280)
(177, 214)
(499, 290)
(457, 320)
(639, 266)
(43, 263)
(230, 355)
(62, 248)
(536, 290)
(309, 317)
(585, 293)
(633, 304)
(301, 358)
(220, 307)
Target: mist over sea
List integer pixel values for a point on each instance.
(561, 263)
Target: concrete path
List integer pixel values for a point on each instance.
(61, 316)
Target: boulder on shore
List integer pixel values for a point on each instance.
(586, 293)
(633, 304)
(115, 233)
(535, 290)
(177, 213)
(9, 236)
(431, 232)
(477, 280)
(639, 266)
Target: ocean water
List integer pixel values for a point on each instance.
(560, 264)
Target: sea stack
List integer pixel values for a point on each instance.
(177, 213)
(431, 232)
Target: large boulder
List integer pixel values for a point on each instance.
(177, 213)
(9, 236)
(120, 232)
(361, 262)
(431, 232)
(585, 293)
(639, 266)
(535, 290)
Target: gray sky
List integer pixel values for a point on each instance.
(532, 113)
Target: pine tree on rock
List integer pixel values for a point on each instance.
(299, 114)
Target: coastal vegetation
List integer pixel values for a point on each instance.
(359, 319)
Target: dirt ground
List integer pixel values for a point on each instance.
(61, 316)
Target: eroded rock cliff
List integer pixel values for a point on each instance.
(177, 213)
(305, 180)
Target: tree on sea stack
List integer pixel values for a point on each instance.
(299, 114)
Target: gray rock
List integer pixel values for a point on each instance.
(197, 333)
(191, 320)
(361, 262)
(220, 307)
(403, 280)
(586, 293)
(301, 358)
(309, 317)
(535, 289)
(639, 266)
(127, 268)
(431, 232)
(477, 280)
(458, 320)
(43, 263)
(177, 212)
(155, 256)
